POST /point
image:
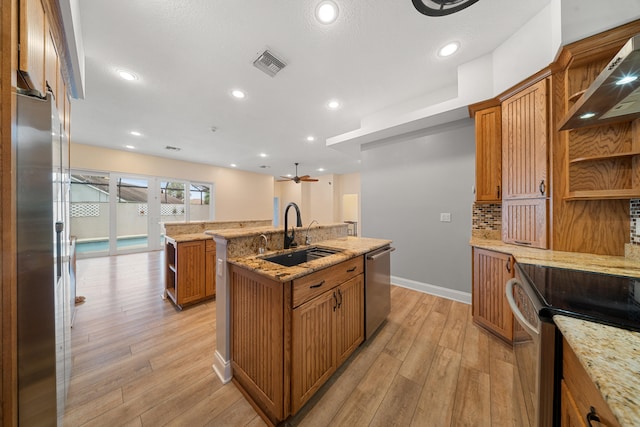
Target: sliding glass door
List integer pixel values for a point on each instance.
(115, 213)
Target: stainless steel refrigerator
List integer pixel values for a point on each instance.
(43, 294)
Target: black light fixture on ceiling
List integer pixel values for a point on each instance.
(441, 7)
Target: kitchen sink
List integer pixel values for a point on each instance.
(300, 256)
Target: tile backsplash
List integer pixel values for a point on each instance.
(634, 208)
(487, 216)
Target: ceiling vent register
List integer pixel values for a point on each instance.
(268, 63)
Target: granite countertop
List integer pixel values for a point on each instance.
(189, 237)
(607, 264)
(611, 357)
(350, 247)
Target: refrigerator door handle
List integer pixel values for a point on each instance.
(59, 229)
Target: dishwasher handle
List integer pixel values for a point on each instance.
(531, 330)
(379, 254)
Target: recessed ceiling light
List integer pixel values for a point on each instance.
(320, 169)
(311, 138)
(233, 165)
(627, 79)
(130, 147)
(237, 93)
(263, 155)
(289, 175)
(333, 104)
(327, 12)
(135, 133)
(449, 49)
(127, 75)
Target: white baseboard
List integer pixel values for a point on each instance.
(452, 294)
(222, 368)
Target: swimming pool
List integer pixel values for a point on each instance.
(102, 245)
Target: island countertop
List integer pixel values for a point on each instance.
(350, 247)
(611, 358)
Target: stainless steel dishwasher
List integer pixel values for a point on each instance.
(377, 288)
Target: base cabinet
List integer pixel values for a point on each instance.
(491, 271)
(287, 339)
(581, 402)
(325, 331)
(189, 271)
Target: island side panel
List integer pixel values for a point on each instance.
(257, 339)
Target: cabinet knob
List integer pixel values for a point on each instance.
(542, 187)
(335, 301)
(509, 264)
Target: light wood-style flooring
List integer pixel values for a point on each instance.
(137, 361)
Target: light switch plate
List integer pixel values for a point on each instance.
(445, 217)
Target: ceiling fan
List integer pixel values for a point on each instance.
(441, 7)
(298, 179)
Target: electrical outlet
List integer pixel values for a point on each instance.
(445, 217)
(220, 268)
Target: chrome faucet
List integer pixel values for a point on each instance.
(307, 240)
(289, 241)
(261, 249)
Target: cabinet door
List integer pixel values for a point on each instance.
(524, 143)
(491, 271)
(524, 222)
(313, 357)
(569, 413)
(210, 269)
(489, 155)
(349, 317)
(32, 43)
(190, 272)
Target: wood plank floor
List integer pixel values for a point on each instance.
(137, 361)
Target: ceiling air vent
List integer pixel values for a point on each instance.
(268, 63)
(172, 148)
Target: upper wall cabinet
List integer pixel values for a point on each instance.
(524, 143)
(489, 155)
(525, 162)
(32, 44)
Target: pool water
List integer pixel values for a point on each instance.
(102, 245)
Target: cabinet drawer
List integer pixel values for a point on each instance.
(312, 285)
(210, 245)
(584, 392)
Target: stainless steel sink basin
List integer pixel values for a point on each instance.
(300, 256)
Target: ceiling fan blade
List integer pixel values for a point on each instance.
(284, 178)
(305, 177)
(308, 179)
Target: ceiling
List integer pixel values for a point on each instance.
(189, 55)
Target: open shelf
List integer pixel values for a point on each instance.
(604, 157)
(623, 194)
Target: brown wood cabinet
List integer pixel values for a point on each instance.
(491, 271)
(33, 39)
(525, 163)
(287, 339)
(189, 271)
(488, 123)
(324, 333)
(579, 396)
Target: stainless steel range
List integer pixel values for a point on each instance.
(535, 295)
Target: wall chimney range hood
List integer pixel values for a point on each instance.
(614, 96)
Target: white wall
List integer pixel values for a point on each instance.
(583, 18)
(406, 184)
(238, 194)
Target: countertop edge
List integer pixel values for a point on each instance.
(350, 247)
(610, 356)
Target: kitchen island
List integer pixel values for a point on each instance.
(289, 328)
